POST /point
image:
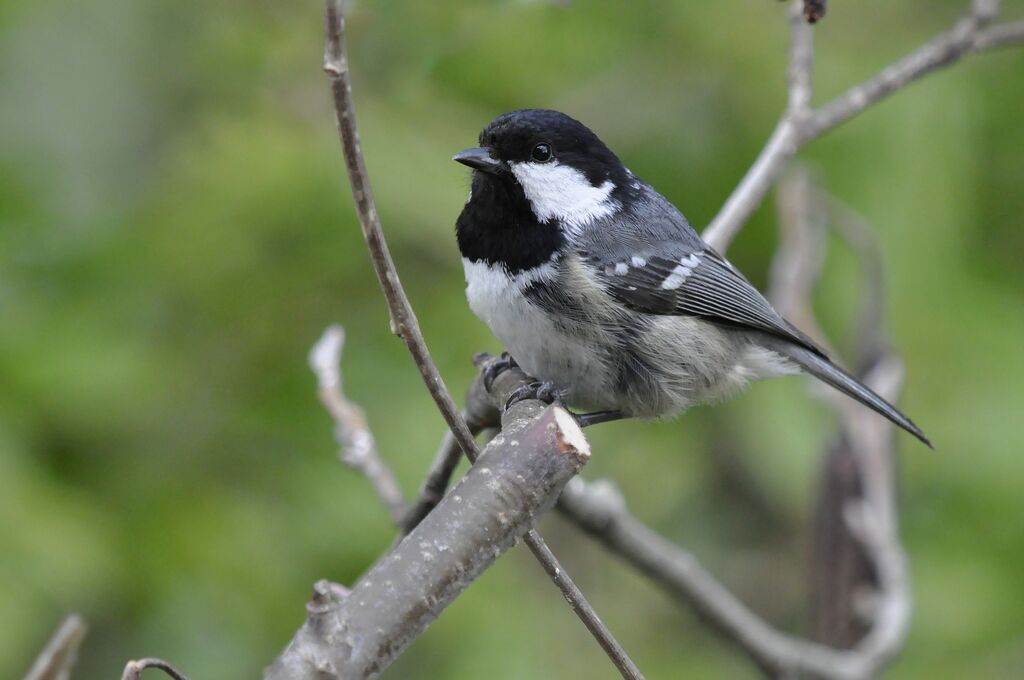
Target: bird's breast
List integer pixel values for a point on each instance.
(550, 343)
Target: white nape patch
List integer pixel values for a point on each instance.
(564, 193)
(638, 261)
(681, 272)
(635, 183)
(621, 268)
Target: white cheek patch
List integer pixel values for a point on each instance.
(564, 193)
(681, 272)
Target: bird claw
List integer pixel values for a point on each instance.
(597, 417)
(496, 368)
(542, 391)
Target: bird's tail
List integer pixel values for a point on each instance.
(820, 367)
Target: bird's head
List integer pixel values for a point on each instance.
(557, 165)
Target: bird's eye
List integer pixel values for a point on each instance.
(541, 153)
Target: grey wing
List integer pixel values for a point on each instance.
(674, 278)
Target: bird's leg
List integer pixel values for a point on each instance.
(542, 391)
(496, 367)
(597, 417)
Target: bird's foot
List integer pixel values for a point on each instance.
(542, 391)
(496, 368)
(597, 417)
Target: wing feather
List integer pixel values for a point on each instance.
(675, 279)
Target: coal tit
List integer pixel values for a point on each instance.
(599, 287)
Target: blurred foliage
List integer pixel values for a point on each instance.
(176, 230)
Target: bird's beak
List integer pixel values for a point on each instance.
(480, 159)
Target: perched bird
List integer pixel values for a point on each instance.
(600, 288)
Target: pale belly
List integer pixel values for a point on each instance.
(574, 361)
(660, 367)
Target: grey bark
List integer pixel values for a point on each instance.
(518, 476)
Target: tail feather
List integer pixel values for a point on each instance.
(820, 367)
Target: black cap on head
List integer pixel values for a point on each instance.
(542, 135)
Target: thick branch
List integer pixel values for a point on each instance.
(358, 446)
(797, 127)
(517, 477)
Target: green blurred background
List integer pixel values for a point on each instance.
(176, 230)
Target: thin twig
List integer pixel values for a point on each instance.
(480, 413)
(800, 256)
(403, 319)
(795, 129)
(435, 483)
(358, 446)
(61, 651)
(871, 342)
(800, 72)
(438, 477)
(1004, 35)
(599, 509)
(133, 671)
(862, 502)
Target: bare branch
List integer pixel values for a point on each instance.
(840, 570)
(599, 509)
(439, 475)
(871, 342)
(482, 405)
(1004, 35)
(942, 50)
(403, 319)
(133, 671)
(796, 127)
(801, 64)
(61, 651)
(856, 508)
(800, 255)
(480, 414)
(783, 144)
(435, 484)
(358, 446)
(517, 477)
